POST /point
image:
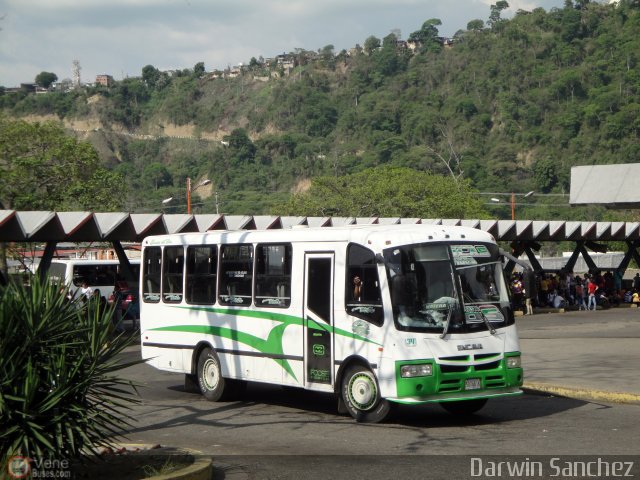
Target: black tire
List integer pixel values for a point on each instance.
(210, 380)
(191, 384)
(361, 395)
(464, 407)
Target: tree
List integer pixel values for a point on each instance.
(150, 75)
(371, 44)
(41, 168)
(45, 79)
(475, 25)
(157, 175)
(427, 33)
(198, 69)
(388, 192)
(545, 174)
(241, 149)
(494, 16)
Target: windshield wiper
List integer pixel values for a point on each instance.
(445, 328)
(487, 322)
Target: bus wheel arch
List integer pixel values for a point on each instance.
(196, 355)
(191, 384)
(360, 392)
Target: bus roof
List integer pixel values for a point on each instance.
(382, 236)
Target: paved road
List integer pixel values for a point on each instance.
(580, 349)
(592, 351)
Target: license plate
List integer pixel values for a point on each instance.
(472, 384)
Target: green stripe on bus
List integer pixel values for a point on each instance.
(271, 346)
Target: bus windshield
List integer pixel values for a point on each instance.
(484, 291)
(438, 288)
(423, 288)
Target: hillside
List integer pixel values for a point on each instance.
(510, 105)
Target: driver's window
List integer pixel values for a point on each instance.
(362, 293)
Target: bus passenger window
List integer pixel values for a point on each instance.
(273, 275)
(362, 297)
(172, 274)
(236, 274)
(202, 271)
(151, 266)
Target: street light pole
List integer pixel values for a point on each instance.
(189, 190)
(512, 200)
(188, 195)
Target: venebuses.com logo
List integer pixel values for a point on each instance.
(20, 466)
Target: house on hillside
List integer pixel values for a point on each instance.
(104, 80)
(233, 72)
(413, 45)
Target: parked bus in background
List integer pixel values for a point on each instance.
(98, 274)
(378, 315)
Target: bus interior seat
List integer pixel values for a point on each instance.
(281, 289)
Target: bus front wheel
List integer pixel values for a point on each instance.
(212, 383)
(464, 407)
(361, 395)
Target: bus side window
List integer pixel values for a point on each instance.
(202, 274)
(236, 274)
(152, 271)
(362, 296)
(273, 275)
(172, 274)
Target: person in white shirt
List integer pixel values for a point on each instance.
(86, 291)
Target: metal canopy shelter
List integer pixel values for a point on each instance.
(524, 236)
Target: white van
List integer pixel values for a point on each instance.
(100, 274)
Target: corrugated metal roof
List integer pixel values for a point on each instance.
(42, 226)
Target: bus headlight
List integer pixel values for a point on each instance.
(514, 362)
(420, 370)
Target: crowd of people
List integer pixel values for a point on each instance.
(565, 289)
(93, 300)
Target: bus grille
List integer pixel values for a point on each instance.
(452, 376)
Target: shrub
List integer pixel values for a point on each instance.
(59, 397)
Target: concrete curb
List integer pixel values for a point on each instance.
(200, 469)
(582, 393)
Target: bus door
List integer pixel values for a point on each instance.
(318, 320)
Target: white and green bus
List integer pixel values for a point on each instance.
(375, 314)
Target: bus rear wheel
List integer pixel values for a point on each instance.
(464, 407)
(210, 380)
(361, 395)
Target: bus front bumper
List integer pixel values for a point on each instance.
(465, 380)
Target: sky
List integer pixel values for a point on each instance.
(120, 37)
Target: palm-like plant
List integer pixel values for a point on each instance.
(59, 395)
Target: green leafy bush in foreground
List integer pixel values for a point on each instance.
(59, 395)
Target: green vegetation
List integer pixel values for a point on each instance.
(60, 396)
(387, 192)
(45, 79)
(42, 168)
(511, 105)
